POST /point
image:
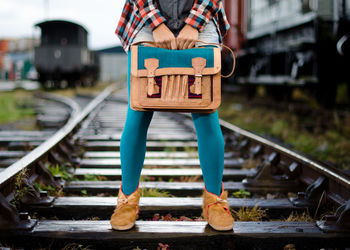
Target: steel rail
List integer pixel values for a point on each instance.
(74, 106)
(302, 159)
(45, 147)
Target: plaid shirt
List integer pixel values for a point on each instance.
(137, 13)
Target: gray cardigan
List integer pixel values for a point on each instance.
(175, 12)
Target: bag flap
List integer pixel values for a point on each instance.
(174, 61)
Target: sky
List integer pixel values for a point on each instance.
(99, 17)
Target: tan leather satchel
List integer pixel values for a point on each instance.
(176, 80)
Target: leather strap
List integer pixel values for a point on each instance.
(231, 51)
(217, 44)
(198, 65)
(151, 65)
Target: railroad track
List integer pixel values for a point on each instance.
(51, 111)
(88, 148)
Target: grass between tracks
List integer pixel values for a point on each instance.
(330, 144)
(17, 105)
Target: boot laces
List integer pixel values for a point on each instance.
(221, 202)
(123, 201)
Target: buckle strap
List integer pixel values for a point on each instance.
(198, 65)
(151, 65)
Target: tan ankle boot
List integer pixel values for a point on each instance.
(127, 210)
(216, 210)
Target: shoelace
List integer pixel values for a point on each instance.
(124, 201)
(218, 201)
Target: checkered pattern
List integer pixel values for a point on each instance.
(137, 13)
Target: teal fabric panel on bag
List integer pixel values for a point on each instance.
(174, 58)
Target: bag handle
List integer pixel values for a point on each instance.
(218, 44)
(231, 51)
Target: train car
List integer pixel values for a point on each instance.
(288, 43)
(63, 59)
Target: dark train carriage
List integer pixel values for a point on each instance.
(63, 57)
(292, 43)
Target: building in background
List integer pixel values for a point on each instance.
(113, 64)
(16, 58)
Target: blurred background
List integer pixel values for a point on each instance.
(291, 81)
(20, 36)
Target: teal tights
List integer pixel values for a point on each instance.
(211, 147)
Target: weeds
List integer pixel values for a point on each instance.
(170, 149)
(15, 106)
(241, 194)
(325, 138)
(169, 217)
(51, 191)
(153, 192)
(247, 214)
(75, 246)
(62, 170)
(189, 149)
(304, 217)
(195, 178)
(21, 188)
(93, 177)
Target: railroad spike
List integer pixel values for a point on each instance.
(230, 139)
(243, 148)
(34, 196)
(256, 151)
(311, 197)
(292, 172)
(55, 157)
(337, 223)
(69, 143)
(10, 219)
(265, 177)
(64, 151)
(45, 176)
(68, 155)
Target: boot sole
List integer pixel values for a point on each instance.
(218, 228)
(126, 227)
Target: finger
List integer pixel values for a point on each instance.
(192, 44)
(162, 45)
(181, 44)
(165, 44)
(168, 44)
(187, 44)
(173, 44)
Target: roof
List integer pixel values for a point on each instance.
(115, 49)
(59, 22)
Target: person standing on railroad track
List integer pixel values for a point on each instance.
(172, 24)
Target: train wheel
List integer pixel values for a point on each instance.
(57, 84)
(48, 84)
(63, 84)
